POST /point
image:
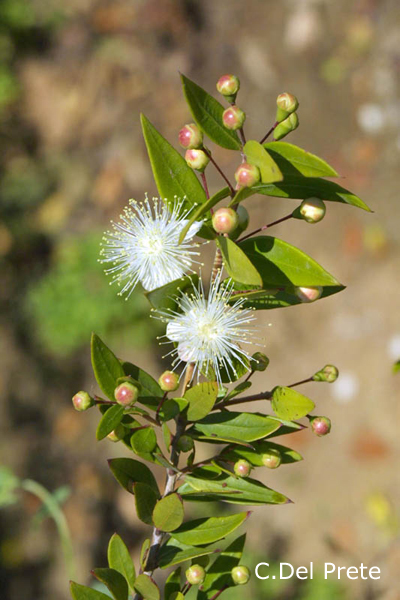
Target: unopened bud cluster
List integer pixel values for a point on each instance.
(82, 401)
(190, 137)
(320, 425)
(233, 118)
(272, 459)
(228, 86)
(287, 104)
(225, 220)
(196, 159)
(242, 468)
(247, 175)
(312, 210)
(329, 374)
(169, 381)
(195, 575)
(126, 393)
(240, 575)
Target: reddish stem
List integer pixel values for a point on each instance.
(264, 227)
(232, 191)
(269, 132)
(217, 595)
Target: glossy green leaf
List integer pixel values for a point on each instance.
(237, 264)
(219, 574)
(81, 592)
(168, 513)
(294, 161)
(254, 456)
(239, 389)
(148, 385)
(247, 427)
(173, 583)
(289, 404)
(164, 298)
(201, 398)
(207, 531)
(207, 112)
(106, 366)
(128, 471)
(144, 443)
(172, 407)
(147, 588)
(114, 581)
(120, 560)
(109, 421)
(213, 438)
(281, 264)
(145, 501)
(198, 214)
(173, 553)
(172, 175)
(257, 155)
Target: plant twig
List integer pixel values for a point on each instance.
(217, 595)
(232, 191)
(268, 132)
(264, 227)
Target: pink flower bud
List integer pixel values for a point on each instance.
(190, 136)
(228, 85)
(225, 220)
(233, 118)
(320, 425)
(197, 159)
(287, 104)
(312, 210)
(240, 575)
(242, 468)
(82, 401)
(195, 575)
(169, 381)
(309, 294)
(117, 434)
(126, 393)
(329, 374)
(247, 175)
(271, 459)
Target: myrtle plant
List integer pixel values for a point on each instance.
(210, 317)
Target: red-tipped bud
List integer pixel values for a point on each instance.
(242, 468)
(240, 575)
(82, 401)
(329, 374)
(312, 210)
(233, 118)
(228, 86)
(169, 381)
(126, 393)
(190, 136)
(289, 124)
(225, 220)
(287, 104)
(272, 459)
(197, 159)
(185, 443)
(117, 434)
(320, 425)
(247, 175)
(260, 361)
(309, 294)
(195, 575)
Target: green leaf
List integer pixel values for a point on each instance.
(207, 531)
(293, 161)
(289, 404)
(219, 574)
(167, 436)
(146, 587)
(109, 421)
(201, 400)
(168, 513)
(172, 175)
(120, 560)
(173, 583)
(145, 501)
(173, 553)
(149, 386)
(177, 596)
(164, 298)
(207, 112)
(281, 264)
(114, 581)
(202, 210)
(81, 592)
(247, 427)
(239, 389)
(144, 553)
(218, 439)
(106, 366)
(128, 471)
(254, 456)
(237, 264)
(144, 443)
(257, 155)
(172, 407)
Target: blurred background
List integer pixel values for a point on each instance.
(73, 78)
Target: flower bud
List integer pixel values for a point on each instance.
(240, 575)
(169, 381)
(287, 104)
(82, 401)
(243, 221)
(260, 361)
(197, 159)
(329, 374)
(195, 575)
(117, 434)
(312, 210)
(228, 86)
(242, 468)
(185, 443)
(309, 294)
(271, 459)
(233, 118)
(247, 175)
(225, 220)
(320, 425)
(190, 136)
(289, 124)
(126, 393)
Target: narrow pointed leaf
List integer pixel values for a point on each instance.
(106, 366)
(247, 427)
(168, 513)
(219, 574)
(120, 559)
(257, 155)
(237, 264)
(289, 404)
(109, 421)
(173, 553)
(294, 161)
(81, 592)
(201, 398)
(254, 456)
(147, 588)
(114, 581)
(207, 531)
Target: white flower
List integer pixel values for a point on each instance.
(144, 246)
(208, 331)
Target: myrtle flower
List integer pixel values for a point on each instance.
(208, 331)
(144, 246)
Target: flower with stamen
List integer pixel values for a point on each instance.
(144, 246)
(209, 331)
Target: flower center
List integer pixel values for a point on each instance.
(207, 329)
(152, 244)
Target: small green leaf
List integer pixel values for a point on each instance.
(293, 161)
(145, 501)
(202, 210)
(289, 404)
(120, 560)
(219, 574)
(171, 173)
(109, 421)
(173, 583)
(207, 531)
(128, 471)
(207, 112)
(237, 264)
(114, 581)
(247, 427)
(164, 298)
(239, 389)
(144, 553)
(254, 456)
(201, 398)
(147, 588)
(106, 366)
(168, 513)
(173, 553)
(172, 407)
(257, 155)
(81, 592)
(144, 442)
